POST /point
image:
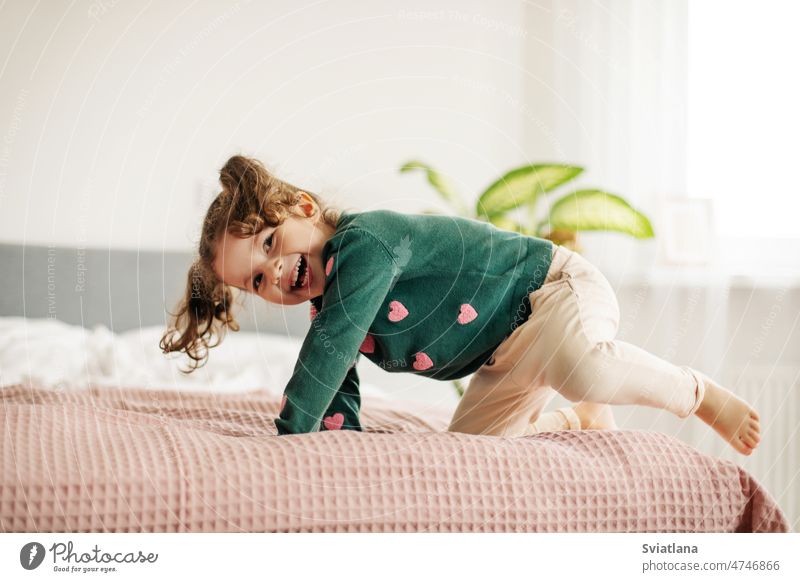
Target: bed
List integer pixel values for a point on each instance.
(101, 433)
(135, 460)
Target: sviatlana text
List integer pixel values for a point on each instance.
(668, 549)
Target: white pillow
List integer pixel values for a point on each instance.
(46, 351)
(50, 353)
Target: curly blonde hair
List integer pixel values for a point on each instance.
(251, 200)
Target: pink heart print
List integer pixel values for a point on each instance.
(423, 361)
(328, 266)
(283, 403)
(313, 313)
(466, 314)
(397, 311)
(368, 345)
(334, 422)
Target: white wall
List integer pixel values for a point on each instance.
(115, 117)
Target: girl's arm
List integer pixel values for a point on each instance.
(344, 411)
(360, 275)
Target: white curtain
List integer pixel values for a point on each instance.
(608, 81)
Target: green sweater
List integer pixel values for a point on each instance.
(425, 294)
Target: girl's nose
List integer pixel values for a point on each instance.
(275, 272)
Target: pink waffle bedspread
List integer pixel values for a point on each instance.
(161, 461)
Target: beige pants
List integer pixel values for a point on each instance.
(567, 346)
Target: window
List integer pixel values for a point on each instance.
(744, 118)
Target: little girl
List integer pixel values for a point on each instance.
(439, 296)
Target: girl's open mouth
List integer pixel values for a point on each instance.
(301, 277)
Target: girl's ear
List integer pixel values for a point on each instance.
(306, 204)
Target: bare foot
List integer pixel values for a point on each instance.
(595, 416)
(733, 418)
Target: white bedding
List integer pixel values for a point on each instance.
(49, 353)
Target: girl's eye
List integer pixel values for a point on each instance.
(268, 242)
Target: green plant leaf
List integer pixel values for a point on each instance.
(598, 210)
(502, 221)
(522, 186)
(439, 182)
(459, 386)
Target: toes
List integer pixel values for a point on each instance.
(750, 440)
(744, 444)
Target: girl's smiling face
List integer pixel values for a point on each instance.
(281, 264)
